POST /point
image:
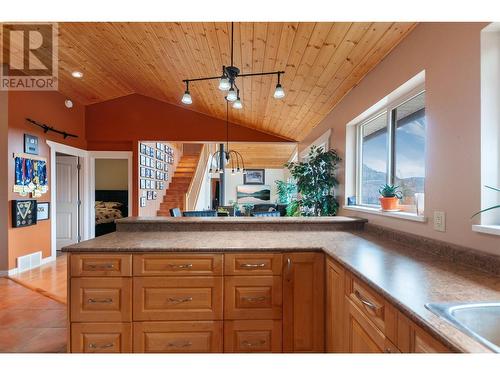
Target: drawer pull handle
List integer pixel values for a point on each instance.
(180, 300)
(252, 265)
(107, 266)
(97, 300)
(365, 302)
(182, 344)
(105, 346)
(254, 343)
(254, 299)
(181, 266)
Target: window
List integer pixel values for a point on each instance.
(391, 149)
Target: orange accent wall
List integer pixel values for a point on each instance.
(48, 108)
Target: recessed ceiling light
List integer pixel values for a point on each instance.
(77, 74)
(68, 103)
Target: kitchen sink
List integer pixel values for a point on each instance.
(481, 320)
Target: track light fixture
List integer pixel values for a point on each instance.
(186, 98)
(227, 81)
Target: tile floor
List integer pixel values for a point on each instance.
(29, 321)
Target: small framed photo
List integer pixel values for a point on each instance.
(147, 184)
(254, 177)
(142, 148)
(143, 201)
(144, 193)
(150, 195)
(165, 177)
(165, 167)
(148, 162)
(143, 184)
(155, 195)
(162, 185)
(157, 185)
(143, 160)
(30, 144)
(158, 145)
(159, 165)
(43, 211)
(142, 172)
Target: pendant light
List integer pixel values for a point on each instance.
(279, 93)
(231, 94)
(186, 98)
(224, 84)
(237, 103)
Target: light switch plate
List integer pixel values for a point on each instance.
(439, 221)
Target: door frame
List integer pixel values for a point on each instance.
(84, 193)
(128, 155)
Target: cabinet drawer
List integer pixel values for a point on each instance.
(178, 264)
(101, 299)
(422, 342)
(253, 297)
(178, 337)
(374, 306)
(252, 264)
(252, 336)
(178, 298)
(101, 338)
(101, 265)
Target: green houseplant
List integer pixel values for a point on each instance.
(315, 180)
(286, 192)
(390, 196)
(489, 208)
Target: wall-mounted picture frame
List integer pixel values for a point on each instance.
(165, 167)
(143, 184)
(142, 160)
(42, 211)
(252, 194)
(142, 172)
(147, 184)
(158, 145)
(155, 195)
(30, 144)
(150, 195)
(24, 213)
(142, 148)
(143, 201)
(254, 177)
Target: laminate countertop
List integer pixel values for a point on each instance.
(406, 277)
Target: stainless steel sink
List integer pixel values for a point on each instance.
(481, 320)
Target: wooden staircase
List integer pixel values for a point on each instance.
(178, 187)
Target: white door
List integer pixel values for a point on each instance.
(67, 201)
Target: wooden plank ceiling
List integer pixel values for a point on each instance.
(322, 61)
(265, 155)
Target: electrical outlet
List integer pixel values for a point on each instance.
(439, 221)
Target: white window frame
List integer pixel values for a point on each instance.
(388, 110)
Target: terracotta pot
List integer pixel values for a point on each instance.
(389, 204)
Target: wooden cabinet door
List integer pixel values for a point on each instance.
(252, 336)
(101, 338)
(303, 302)
(334, 319)
(362, 335)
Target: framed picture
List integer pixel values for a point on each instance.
(166, 167)
(253, 194)
(162, 185)
(143, 184)
(158, 175)
(254, 177)
(143, 160)
(150, 195)
(158, 145)
(165, 177)
(147, 184)
(142, 148)
(24, 213)
(155, 195)
(143, 201)
(142, 172)
(30, 144)
(159, 165)
(42, 211)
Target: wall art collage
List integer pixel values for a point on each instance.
(154, 162)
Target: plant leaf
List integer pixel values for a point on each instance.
(492, 188)
(486, 209)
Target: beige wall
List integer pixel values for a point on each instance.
(111, 174)
(450, 55)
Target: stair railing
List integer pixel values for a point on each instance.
(193, 192)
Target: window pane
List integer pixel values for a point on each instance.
(373, 158)
(409, 158)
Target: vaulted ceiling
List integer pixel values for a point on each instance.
(322, 61)
(265, 155)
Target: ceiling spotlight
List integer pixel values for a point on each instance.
(186, 98)
(224, 83)
(231, 95)
(68, 103)
(77, 74)
(279, 93)
(237, 103)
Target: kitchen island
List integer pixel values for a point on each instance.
(264, 285)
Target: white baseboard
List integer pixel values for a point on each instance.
(13, 271)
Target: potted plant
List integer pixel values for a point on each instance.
(248, 209)
(316, 181)
(390, 196)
